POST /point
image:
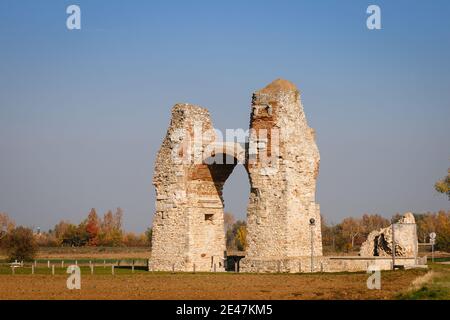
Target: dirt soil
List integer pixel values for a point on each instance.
(146, 285)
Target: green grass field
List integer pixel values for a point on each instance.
(438, 288)
(98, 270)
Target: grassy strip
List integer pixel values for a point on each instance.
(82, 260)
(437, 288)
(444, 259)
(99, 270)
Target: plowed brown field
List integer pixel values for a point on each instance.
(147, 285)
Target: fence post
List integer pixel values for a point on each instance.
(214, 267)
(92, 269)
(76, 262)
(104, 263)
(112, 269)
(48, 263)
(32, 269)
(62, 264)
(53, 269)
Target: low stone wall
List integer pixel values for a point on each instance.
(289, 265)
(353, 264)
(325, 264)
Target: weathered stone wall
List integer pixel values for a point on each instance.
(283, 166)
(380, 242)
(188, 225)
(330, 264)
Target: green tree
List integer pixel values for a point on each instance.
(241, 238)
(149, 234)
(76, 236)
(20, 244)
(232, 234)
(443, 185)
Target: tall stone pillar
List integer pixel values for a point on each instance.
(188, 230)
(283, 164)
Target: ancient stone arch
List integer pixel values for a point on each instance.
(192, 165)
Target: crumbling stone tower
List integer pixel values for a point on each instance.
(282, 161)
(283, 183)
(188, 230)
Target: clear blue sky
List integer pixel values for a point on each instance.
(82, 113)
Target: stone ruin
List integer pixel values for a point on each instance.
(282, 161)
(379, 242)
(192, 166)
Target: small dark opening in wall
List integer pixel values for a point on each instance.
(209, 217)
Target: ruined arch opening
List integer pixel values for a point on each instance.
(220, 167)
(232, 184)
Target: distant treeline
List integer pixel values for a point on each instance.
(346, 236)
(92, 231)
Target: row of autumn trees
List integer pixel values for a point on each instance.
(92, 231)
(95, 231)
